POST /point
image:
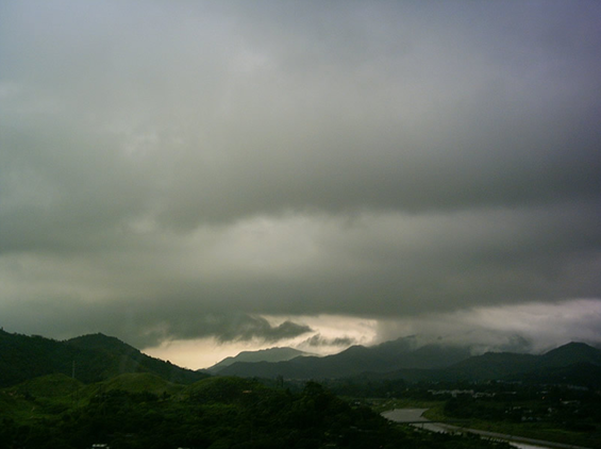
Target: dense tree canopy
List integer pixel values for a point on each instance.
(213, 413)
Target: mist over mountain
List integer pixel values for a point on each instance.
(386, 357)
(397, 360)
(97, 357)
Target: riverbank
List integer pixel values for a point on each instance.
(415, 416)
(510, 438)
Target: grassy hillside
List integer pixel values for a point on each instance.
(49, 386)
(136, 383)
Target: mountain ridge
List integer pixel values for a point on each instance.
(276, 354)
(385, 357)
(98, 357)
(426, 363)
(89, 358)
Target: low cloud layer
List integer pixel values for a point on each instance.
(319, 340)
(181, 171)
(531, 327)
(147, 323)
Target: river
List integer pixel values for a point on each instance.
(416, 418)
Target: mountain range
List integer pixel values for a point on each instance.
(97, 357)
(396, 360)
(386, 357)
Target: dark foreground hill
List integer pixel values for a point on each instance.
(91, 358)
(218, 412)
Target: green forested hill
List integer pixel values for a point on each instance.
(49, 386)
(140, 382)
(212, 413)
(124, 358)
(90, 358)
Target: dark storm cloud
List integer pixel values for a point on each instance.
(318, 340)
(370, 159)
(146, 323)
(478, 125)
(252, 327)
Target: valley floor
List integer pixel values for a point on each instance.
(415, 416)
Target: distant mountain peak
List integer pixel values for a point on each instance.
(573, 352)
(98, 337)
(272, 355)
(574, 344)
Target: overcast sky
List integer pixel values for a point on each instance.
(199, 177)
